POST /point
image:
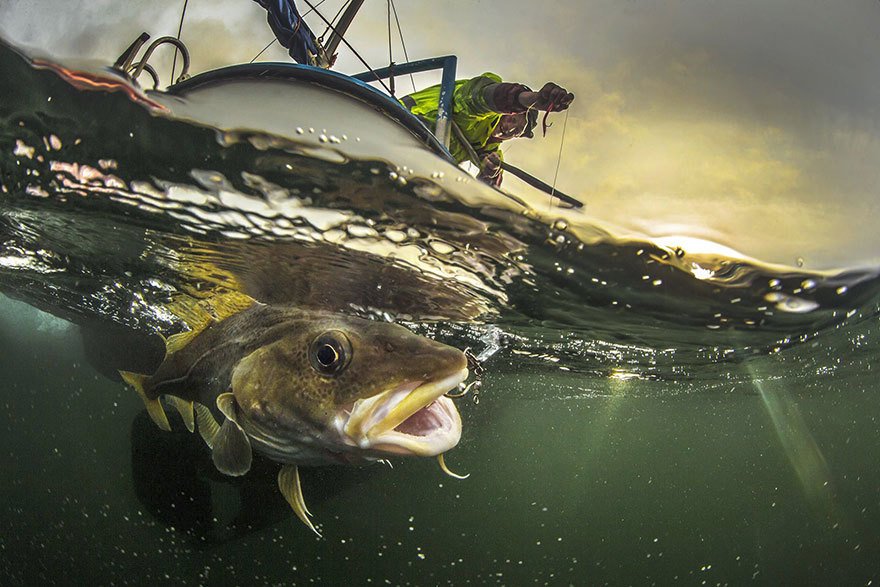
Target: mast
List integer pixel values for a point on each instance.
(342, 26)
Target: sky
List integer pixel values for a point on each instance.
(754, 124)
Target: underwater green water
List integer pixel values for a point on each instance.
(574, 480)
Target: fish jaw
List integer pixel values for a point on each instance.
(412, 419)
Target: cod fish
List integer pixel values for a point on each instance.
(305, 387)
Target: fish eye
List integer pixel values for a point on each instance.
(330, 353)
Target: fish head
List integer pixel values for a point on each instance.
(348, 389)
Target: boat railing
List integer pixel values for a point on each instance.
(448, 63)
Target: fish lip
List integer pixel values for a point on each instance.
(370, 423)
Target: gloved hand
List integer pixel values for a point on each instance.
(490, 169)
(555, 96)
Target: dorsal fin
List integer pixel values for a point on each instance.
(198, 315)
(175, 342)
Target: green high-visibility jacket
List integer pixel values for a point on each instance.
(470, 112)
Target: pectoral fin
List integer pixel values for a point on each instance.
(185, 409)
(291, 489)
(226, 404)
(154, 407)
(231, 453)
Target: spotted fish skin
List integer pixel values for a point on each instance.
(202, 370)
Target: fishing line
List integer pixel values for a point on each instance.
(263, 51)
(335, 16)
(179, 30)
(559, 157)
(390, 52)
(402, 42)
(390, 55)
(347, 44)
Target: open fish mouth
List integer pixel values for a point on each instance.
(414, 418)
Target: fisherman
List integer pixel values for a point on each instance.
(489, 111)
(294, 34)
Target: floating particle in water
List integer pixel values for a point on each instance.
(22, 149)
(791, 304)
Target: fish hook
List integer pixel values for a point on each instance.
(464, 391)
(473, 363)
(477, 369)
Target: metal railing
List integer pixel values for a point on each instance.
(448, 63)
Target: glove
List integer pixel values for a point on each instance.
(553, 97)
(490, 169)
